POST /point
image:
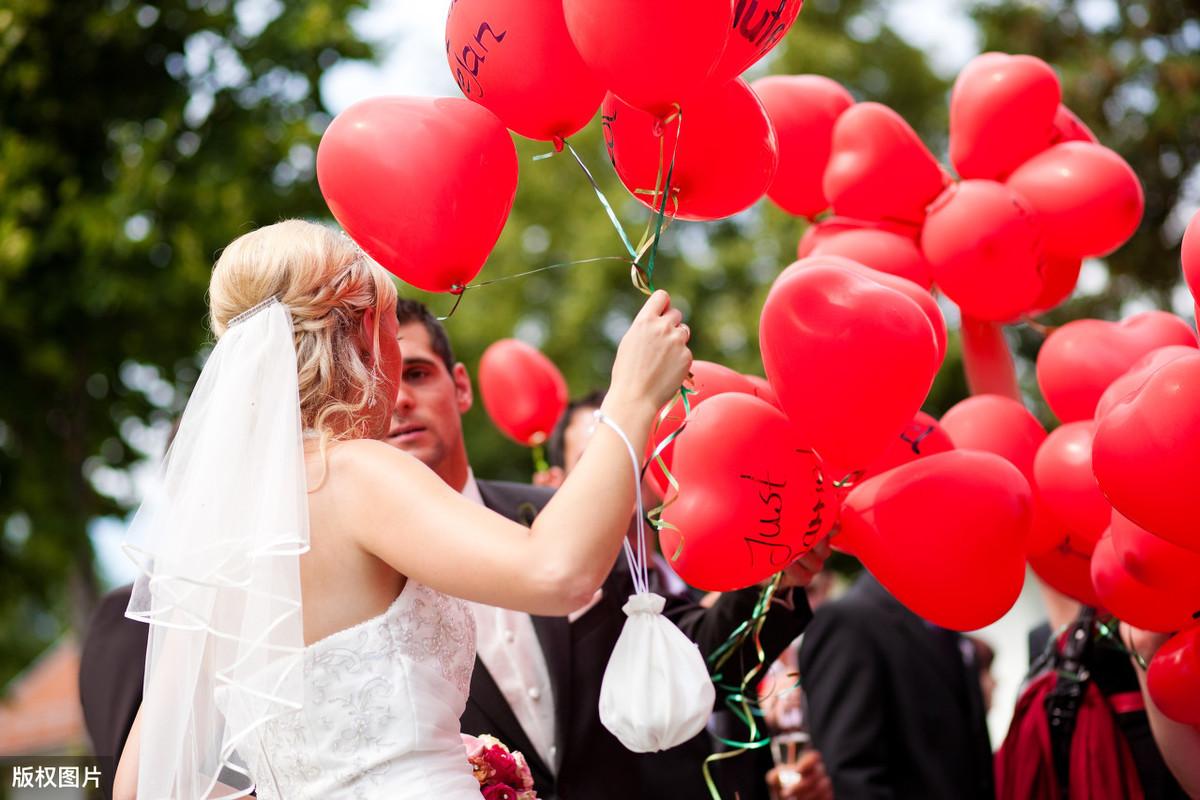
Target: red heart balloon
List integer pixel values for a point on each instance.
(869, 349)
(803, 109)
(999, 425)
(906, 287)
(514, 57)
(424, 185)
(879, 169)
(1174, 677)
(1070, 128)
(724, 160)
(982, 243)
(880, 250)
(1137, 375)
(1002, 111)
(1062, 470)
(828, 227)
(523, 392)
(651, 55)
(1155, 561)
(1059, 276)
(1190, 256)
(907, 526)
(1141, 605)
(758, 25)
(751, 498)
(707, 380)
(1081, 359)
(1147, 453)
(1089, 199)
(1067, 568)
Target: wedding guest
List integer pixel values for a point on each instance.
(894, 703)
(536, 684)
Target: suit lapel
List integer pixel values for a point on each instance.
(554, 635)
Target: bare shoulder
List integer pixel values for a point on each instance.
(364, 462)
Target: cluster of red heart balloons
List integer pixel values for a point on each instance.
(1036, 194)
(762, 471)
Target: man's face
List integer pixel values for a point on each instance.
(426, 422)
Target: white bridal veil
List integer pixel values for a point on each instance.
(218, 542)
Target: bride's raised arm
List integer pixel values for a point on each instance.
(407, 516)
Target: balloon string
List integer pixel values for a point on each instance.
(461, 290)
(1044, 330)
(608, 209)
(643, 279)
(742, 703)
(655, 514)
(1109, 633)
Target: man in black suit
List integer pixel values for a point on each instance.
(536, 684)
(894, 702)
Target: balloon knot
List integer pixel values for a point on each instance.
(457, 289)
(559, 142)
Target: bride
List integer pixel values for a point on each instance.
(277, 487)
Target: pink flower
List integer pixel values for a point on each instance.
(474, 746)
(504, 766)
(523, 773)
(499, 791)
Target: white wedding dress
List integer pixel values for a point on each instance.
(381, 706)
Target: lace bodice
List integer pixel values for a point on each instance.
(381, 708)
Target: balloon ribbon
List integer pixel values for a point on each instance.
(740, 698)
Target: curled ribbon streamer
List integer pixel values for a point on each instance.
(643, 279)
(655, 514)
(742, 703)
(1108, 632)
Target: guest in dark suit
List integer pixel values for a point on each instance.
(894, 702)
(536, 684)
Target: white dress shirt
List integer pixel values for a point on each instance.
(508, 646)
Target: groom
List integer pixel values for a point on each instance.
(536, 683)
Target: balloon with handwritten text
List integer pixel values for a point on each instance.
(758, 25)
(515, 58)
(752, 498)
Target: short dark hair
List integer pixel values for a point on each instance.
(415, 311)
(556, 446)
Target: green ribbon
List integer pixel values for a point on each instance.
(739, 698)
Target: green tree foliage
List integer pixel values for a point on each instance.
(135, 140)
(1131, 71)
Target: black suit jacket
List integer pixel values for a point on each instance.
(893, 707)
(594, 765)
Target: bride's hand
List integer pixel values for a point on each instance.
(653, 358)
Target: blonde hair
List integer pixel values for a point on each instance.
(328, 285)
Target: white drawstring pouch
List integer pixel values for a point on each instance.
(656, 693)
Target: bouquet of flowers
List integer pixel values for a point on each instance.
(503, 774)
